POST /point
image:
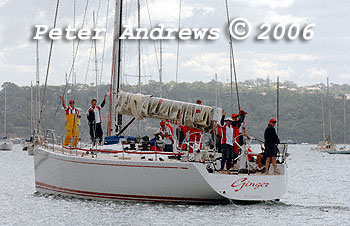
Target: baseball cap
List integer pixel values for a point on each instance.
(228, 119)
(272, 120)
(234, 115)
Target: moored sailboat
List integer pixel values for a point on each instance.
(5, 143)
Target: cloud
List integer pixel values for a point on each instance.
(274, 17)
(167, 11)
(316, 73)
(209, 63)
(344, 76)
(264, 68)
(294, 57)
(3, 2)
(272, 4)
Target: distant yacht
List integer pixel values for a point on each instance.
(5, 144)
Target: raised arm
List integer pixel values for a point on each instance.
(63, 103)
(222, 121)
(241, 115)
(104, 101)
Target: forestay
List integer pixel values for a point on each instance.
(145, 106)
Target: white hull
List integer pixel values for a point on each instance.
(5, 146)
(158, 181)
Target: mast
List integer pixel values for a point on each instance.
(278, 103)
(232, 63)
(160, 68)
(115, 75)
(139, 56)
(323, 124)
(216, 89)
(178, 46)
(5, 113)
(94, 41)
(344, 119)
(73, 45)
(329, 112)
(31, 108)
(139, 44)
(37, 89)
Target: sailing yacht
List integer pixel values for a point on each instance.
(189, 175)
(326, 145)
(5, 143)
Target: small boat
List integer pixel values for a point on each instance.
(5, 145)
(325, 146)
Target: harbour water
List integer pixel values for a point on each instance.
(317, 194)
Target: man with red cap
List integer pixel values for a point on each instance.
(271, 142)
(72, 116)
(166, 134)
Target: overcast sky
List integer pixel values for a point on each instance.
(303, 62)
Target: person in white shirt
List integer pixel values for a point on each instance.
(167, 136)
(95, 120)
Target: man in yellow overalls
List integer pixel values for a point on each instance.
(73, 118)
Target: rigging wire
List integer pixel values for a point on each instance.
(178, 47)
(232, 60)
(104, 42)
(75, 56)
(88, 66)
(48, 63)
(154, 42)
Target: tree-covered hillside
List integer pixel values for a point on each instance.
(300, 107)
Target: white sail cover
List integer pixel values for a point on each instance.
(145, 106)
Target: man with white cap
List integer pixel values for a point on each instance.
(227, 144)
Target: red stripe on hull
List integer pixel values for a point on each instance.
(123, 196)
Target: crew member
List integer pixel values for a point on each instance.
(271, 142)
(167, 123)
(72, 117)
(195, 134)
(237, 122)
(181, 134)
(243, 132)
(166, 134)
(227, 144)
(95, 120)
